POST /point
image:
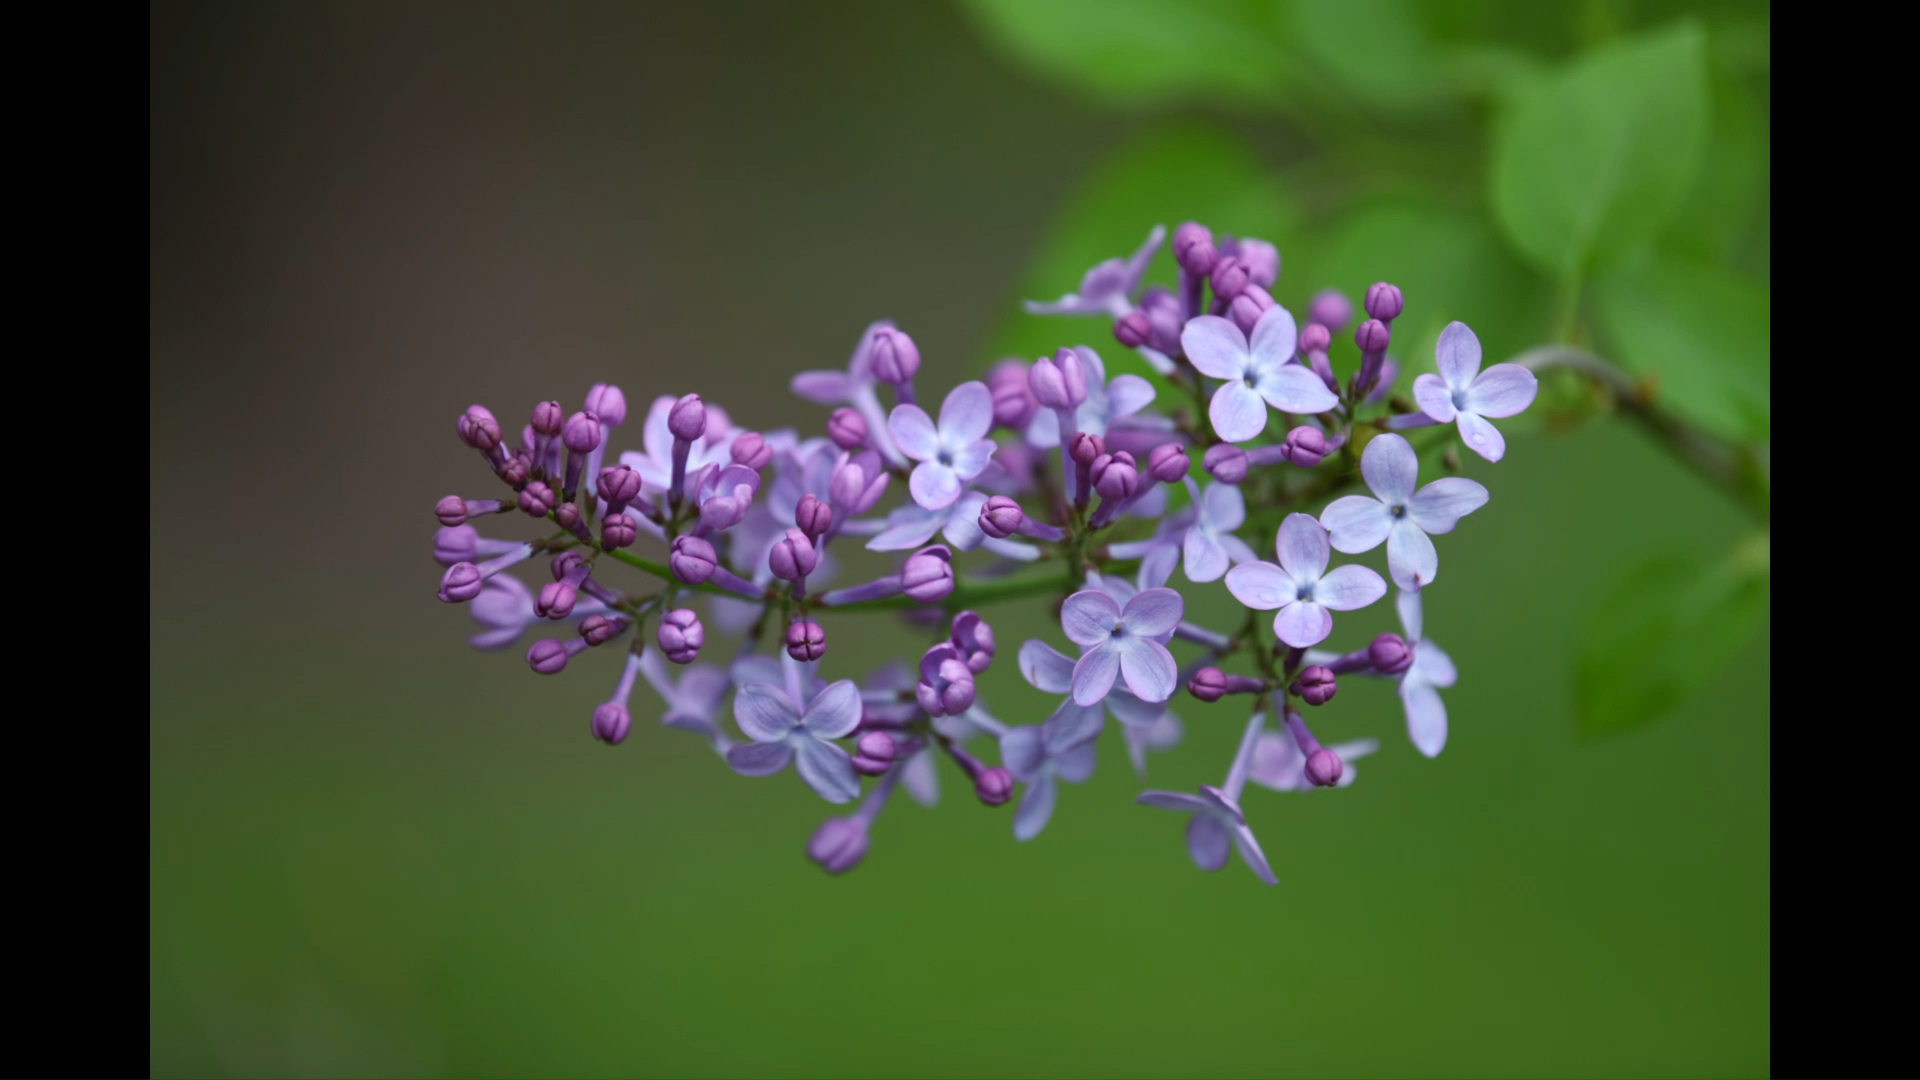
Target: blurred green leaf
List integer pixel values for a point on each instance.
(1377, 48)
(1664, 630)
(1592, 163)
(1135, 52)
(1705, 335)
(1721, 205)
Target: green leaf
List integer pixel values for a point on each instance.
(1703, 333)
(1376, 48)
(1135, 52)
(1724, 202)
(1593, 163)
(1664, 631)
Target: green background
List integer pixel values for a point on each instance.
(375, 851)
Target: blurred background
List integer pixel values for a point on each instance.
(374, 851)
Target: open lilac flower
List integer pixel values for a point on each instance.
(912, 525)
(782, 732)
(1061, 748)
(1398, 514)
(1209, 545)
(1256, 375)
(1301, 587)
(693, 701)
(1431, 672)
(1217, 822)
(1107, 288)
(1111, 404)
(1119, 642)
(1279, 764)
(655, 465)
(950, 454)
(1051, 672)
(1468, 396)
(505, 609)
(855, 387)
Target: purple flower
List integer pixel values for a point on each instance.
(1431, 672)
(950, 454)
(693, 702)
(655, 464)
(781, 732)
(1119, 642)
(725, 494)
(1163, 734)
(1279, 764)
(1300, 586)
(1209, 544)
(1061, 748)
(1217, 822)
(1256, 375)
(505, 609)
(1108, 403)
(1468, 396)
(839, 844)
(1399, 515)
(946, 682)
(854, 387)
(1105, 289)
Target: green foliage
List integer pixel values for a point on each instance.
(1376, 48)
(1703, 333)
(1664, 631)
(1593, 163)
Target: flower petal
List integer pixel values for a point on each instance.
(1502, 390)
(1149, 669)
(1261, 586)
(1407, 604)
(1093, 674)
(1237, 411)
(1295, 389)
(1303, 623)
(934, 486)
(1126, 395)
(1207, 842)
(921, 779)
(971, 459)
(1431, 666)
(1215, 347)
(1023, 753)
(1089, 616)
(1426, 718)
(1132, 711)
(1223, 507)
(826, 769)
(1439, 506)
(759, 758)
(764, 712)
(1205, 556)
(1178, 801)
(1157, 566)
(1457, 356)
(1045, 668)
(913, 432)
(908, 527)
(1036, 807)
(1356, 523)
(1391, 468)
(1435, 400)
(1273, 340)
(1076, 765)
(1237, 550)
(1277, 762)
(833, 712)
(963, 521)
(1070, 725)
(822, 387)
(1411, 560)
(1251, 854)
(1349, 588)
(967, 414)
(1155, 611)
(1302, 547)
(1481, 436)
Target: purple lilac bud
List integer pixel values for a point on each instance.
(1013, 402)
(752, 451)
(1324, 767)
(549, 656)
(873, 753)
(894, 356)
(993, 786)
(1001, 517)
(681, 635)
(1314, 338)
(812, 516)
(516, 471)
(857, 482)
(556, 600)
(478, 429)
(1316, 685)
(461, 583)
(548, 418)
(1225, 462)
(597, 629)
(946, 684)
(454, 510)
(537, 499)
(455, 544)
(582, 432)
(973, 638)
(1086, 448)
(928, 575)
(1331, 309)
(605, 401)
(1168, 463)
(1384, 301)
(1073, 374)
(1208, 684)
(1390, 654)
(1246, 309)
(692, 560)
(687, 420)
(1261, 259)
(610, 722)
(1229, 278)
(1372, 336)
(1133, 330)
(1164, 314)
(564, 563)
(1115, 476)
(1194, 250)
(619, 485)
(847, 428)
(1305, 446)
(567, 516)
(838, 844)
(806, 640)
(792, 556)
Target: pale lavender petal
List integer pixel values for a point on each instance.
(1303, 623)
(1356, 523)
(1207, 842)
(1076, 765)
(1008, 549)
(1237, 412)
(1502, 390)
(1132, 711)
(1411, 560)
(1431, 666)
(1349, 588)
(1177, 801)
(823, 387)
(1036, 807)
(757, 669)
(1237, 550)
(1410, 421)
(826, 769)
(765, 713)
(655, 436)
(1295, 389)
(1391, 469)
(1407, 604)
(1142, 255)
(970, 460)
(1457, 356)
(487, 640)
(1045, 668)
(908, 527)
(1426, 718)
(1260, 585)
(1157, 566)
(1070, 725)
(1273, 341)
(1023, 753)
(1155, 611)
(1251, 854)
(758, 758)
(966, 415)
(1069, 304)
(1223, 507)
(921, 779)
(1481, 436)
(1440, 505)
(1302, 547)
(1150, 671)
(833, 712)
(1088, 617)
(1206, 556)
(1215, 347)
(1277, 762)
(1435, 400)
(1043, 431)
(1094, 673)
(913, 432)
(934, 486)
(1126, 395)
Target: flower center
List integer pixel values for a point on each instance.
(1248, 380)
(1119, 631)
(1304, 593)
(1398, 511)
(944, 458)
(1460, 400)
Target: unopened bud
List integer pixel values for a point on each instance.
(812, 516)
(681, 635)
(1168, 463)
(692, 560)
(611, 723)
(806, 640)
(1225, 462)
(1390, 654)
(993, 786)
(751, 450)
(1384, 301)
(1316, 685)
(1133, 330)
(687, 420)
(847, 428)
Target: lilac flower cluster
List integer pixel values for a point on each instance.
(1059, 477)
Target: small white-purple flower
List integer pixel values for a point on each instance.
(1468, 396)
(1119, 642)
(1301, 587)
(1255, 374)
(911, 526)
(1108, 287)
(854, 386)
(782, 732)
(950, 453)
(1110, 403)
(1398, 514)
(693, 702)
(1046, 669)
(1279, 764)
(1217, 823)
(1431, 672)
(1059, 749)
(505, 608)
(1210, 546)
(655, 465)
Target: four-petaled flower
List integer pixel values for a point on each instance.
(1118, 641)
(1107, 288)
(655, 466)
(951, 453)
(1398, 514)
(1110, 404)
(1301, 587)
(1060, 748)
(854, 386)
(1431, 672)
(1048, 671)
(1256, 375)
(694, 702)
(1217, 821)
(781, 732)
(1465, 394)
(1279, 764)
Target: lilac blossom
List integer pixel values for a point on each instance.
(1110, 404)
(1046, 669)
(782, 732)
(855, 387)
(505, 608)
(1119, 642)
(1278, 763)
(1399, 515)
(693, 700)
(951, 453)
(1255, 374)
(1062, 748)
(1301, 587)
(912, 525)
(1431, 672)
(1106, 288)
(1467, 396)
(655, 464)
(1217, 821)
